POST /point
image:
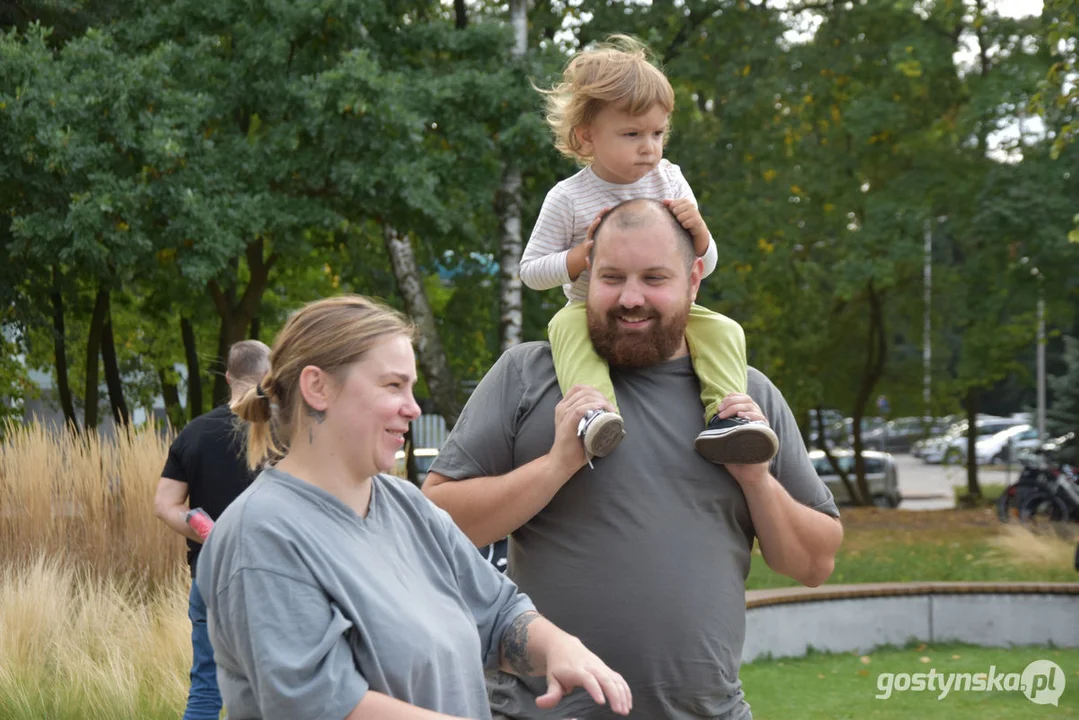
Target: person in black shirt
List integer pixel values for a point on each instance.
(207, 468)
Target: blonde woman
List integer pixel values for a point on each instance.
(611, 113)
(336, 591)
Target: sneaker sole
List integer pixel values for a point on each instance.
(604, 435)
(746, 445)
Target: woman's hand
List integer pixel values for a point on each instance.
(571, 665)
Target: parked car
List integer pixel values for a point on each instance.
(951, 448)
(423, 457)
(834, 428)
(840, 431)
(870, 424)
(937, 428)
(1062, 449)
(931, 450)
(897, 435)
(1005, 445)
(880, 475)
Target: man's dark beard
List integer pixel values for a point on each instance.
(628, 349)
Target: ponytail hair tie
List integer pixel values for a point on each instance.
(261, 393)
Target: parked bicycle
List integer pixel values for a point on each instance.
(1058, 501)
(1034, 478)
(1047, 490)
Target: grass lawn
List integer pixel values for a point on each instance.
(897, 546)
(942, 545)
(990, 494)
(835, 687)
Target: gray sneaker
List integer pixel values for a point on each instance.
(601, 431)
(737, 441)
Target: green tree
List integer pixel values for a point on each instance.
(1007, 211)
(1063, 416)
(235, 142)
(1059, 99)
(72, 157)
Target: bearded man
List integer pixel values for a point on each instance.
(643, 556)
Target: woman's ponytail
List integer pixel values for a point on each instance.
(255, 408)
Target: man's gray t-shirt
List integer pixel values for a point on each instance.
(311, 605)
(643, 558)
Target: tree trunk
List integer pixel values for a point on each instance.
(59, 343)
(853, 492)
(509, 206)
(971, 402)
(256, 327)
(859, 462)
(229, 331)
(237, 315)
(194, 378)
(112, 368)
(974, 489)
(876, 347)
(509, 209)
(461, 13)
(410, 458)
(519, 23)
(984, 66)
(171, 395)
(436, 369)
(93, 347)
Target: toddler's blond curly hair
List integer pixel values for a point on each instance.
(617, 72)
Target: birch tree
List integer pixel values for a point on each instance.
(509, 208)
(436, 370)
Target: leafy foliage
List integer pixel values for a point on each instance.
(226, 162)
(1063, 417)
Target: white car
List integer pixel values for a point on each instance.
(880, 475)
(424, 459)
(951, 449)
(1005, 445)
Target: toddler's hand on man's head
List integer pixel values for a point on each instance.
(686, 212)
(689, 216)
(595, 225)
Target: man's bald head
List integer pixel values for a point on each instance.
(248, 361)
(641, 213)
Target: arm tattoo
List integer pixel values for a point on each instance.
(515, 643)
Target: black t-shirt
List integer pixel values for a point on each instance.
(208, 455)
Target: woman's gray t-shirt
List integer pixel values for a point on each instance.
(311, 605)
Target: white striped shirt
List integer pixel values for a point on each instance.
(572, 205)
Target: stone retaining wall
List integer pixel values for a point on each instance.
(844, 618)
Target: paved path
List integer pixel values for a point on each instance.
(929, 487)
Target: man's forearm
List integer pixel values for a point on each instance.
(796, 540)
(488, 509)
(175, 516)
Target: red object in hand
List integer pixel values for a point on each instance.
(200, 522)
